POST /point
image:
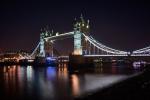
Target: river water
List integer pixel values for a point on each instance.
(56, 83)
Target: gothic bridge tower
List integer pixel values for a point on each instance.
(81, 45)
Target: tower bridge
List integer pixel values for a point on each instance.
(84, 43)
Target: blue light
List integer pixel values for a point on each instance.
(51, 71)
(49, 58)
(50, 61)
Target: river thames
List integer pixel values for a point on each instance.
(56, 83)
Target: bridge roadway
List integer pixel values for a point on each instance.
(60, 36)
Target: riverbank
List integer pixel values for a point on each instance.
(137, 87)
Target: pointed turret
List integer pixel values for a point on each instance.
(82, 19)
(88, 21)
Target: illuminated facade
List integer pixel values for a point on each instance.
(42, 51)
(80, 44)
(77, 43)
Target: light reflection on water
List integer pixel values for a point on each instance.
(56, 83)
(75, 85)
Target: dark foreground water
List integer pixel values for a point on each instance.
(56, 83)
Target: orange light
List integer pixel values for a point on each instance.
(75, 84)
(77, 52)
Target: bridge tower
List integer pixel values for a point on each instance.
(85, 28)
(49, 44)
(42, 43)
(77, 39)
(80, 44)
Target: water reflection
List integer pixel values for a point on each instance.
(30, 74)
(10, 79)
(51, 72)
(56, 82)
(63, 72)
(75, 84)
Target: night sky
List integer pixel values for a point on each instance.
(123, 24)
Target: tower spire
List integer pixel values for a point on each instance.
(82, 19)
(81, 16)
(88, 21)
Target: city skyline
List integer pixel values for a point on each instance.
(123, 25)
